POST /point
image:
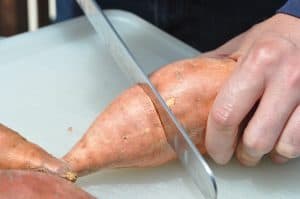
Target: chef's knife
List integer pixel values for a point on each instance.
(176, 135)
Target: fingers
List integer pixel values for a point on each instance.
(269, 71)
(289, 143)
(232, 104)
(279, 101)
(266, 125)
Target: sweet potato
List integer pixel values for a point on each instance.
(129, 132)
(18, 153)
(25, 184)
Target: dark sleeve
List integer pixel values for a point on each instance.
(67, 9)
(291, 7)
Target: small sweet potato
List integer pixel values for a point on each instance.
(25, 184)
(18, 153)
(129, 132)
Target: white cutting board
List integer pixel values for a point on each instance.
(61, 76)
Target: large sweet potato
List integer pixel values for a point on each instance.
(25, 184)
(129, 132)
(18, 153)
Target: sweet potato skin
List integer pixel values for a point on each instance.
(24, 184)
(189, 88)
(18, 153)
(129, 132)
(116, 140)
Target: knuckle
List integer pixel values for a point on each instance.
(268, 50)
(264, 53)
(222, 116)
(257, 145)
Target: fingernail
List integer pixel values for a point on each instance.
(221, 160)
(286, 150)
(221, 149)
(250, 152)
(248, 159)
(279, 159)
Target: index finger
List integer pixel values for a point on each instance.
(232, 104)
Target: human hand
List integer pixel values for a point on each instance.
(268, 71)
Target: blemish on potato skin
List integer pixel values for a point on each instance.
(179, 75)
(146, 131)
(70, 129)
(83, 145)
(170, 102)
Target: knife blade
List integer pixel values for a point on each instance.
(179, 140)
